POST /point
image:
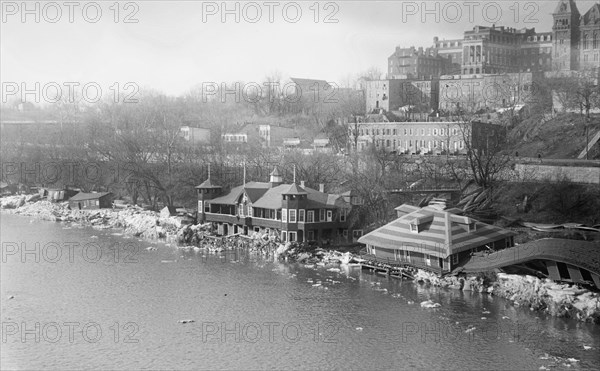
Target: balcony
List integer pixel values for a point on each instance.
(266, 223)
(223, 218)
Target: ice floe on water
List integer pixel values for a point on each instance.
(430, 304)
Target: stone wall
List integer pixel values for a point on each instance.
(540, 172)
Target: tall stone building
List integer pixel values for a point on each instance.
(566, 36)
(576, 38)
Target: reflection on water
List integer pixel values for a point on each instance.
(117, 303)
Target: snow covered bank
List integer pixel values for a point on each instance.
(556, 299)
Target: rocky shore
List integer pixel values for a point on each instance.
(561, 300)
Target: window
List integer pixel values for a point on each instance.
(284, 215)
(455, 259)
(410, 131)
(329, 215)
(250, 214)
(345, 233)
(321, 215)
(310, 216)
(414, 228)
(284, 236)
(422, 132)
(292, 236)
(301, 215)
(206, 207)
(454, 132)
(241, 210)
(404, 131)
(292, 216)
(200, 206)
(343, 213)
(310, 235)
(97, 202)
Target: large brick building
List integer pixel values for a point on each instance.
(392, 95)
(412, 63)
(432, 137)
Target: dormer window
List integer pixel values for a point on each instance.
(472, 227)
(414, 227)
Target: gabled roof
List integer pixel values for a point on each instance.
(592, 15)
(275, 172)
(441, 233)
(207, 184)
(321, 200)
(81, 196)
(321, 84)
(566, 6)
(294, 189)
(272, 198)
(252, 190)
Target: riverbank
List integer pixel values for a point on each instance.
(541, 295)
(560, 300)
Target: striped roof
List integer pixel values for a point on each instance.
(436, 232)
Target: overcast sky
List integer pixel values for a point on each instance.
(176, 45)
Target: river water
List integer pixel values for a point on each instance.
(77, 298)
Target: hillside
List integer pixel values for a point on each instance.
(562, 136)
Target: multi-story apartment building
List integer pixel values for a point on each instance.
(294, 212)
(392, 95)
(432, 137)
(452, 51)
(488, 91)
(412, 63)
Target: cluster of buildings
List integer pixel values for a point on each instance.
(490, 67)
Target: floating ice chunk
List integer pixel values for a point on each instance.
(587, 347)
(334, 269)
(430, 304)
(470, 329)
(316, 285)
(573, 360)
(186, 321)
(151, 248)
(359, 329)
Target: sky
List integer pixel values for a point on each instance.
(173, 46)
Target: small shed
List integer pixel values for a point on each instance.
(60, 194)
(95, 200)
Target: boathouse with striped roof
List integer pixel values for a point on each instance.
(433, 239)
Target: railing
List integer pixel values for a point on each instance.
(223, 218)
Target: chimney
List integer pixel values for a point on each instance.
(302, 184)
(321, 187)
